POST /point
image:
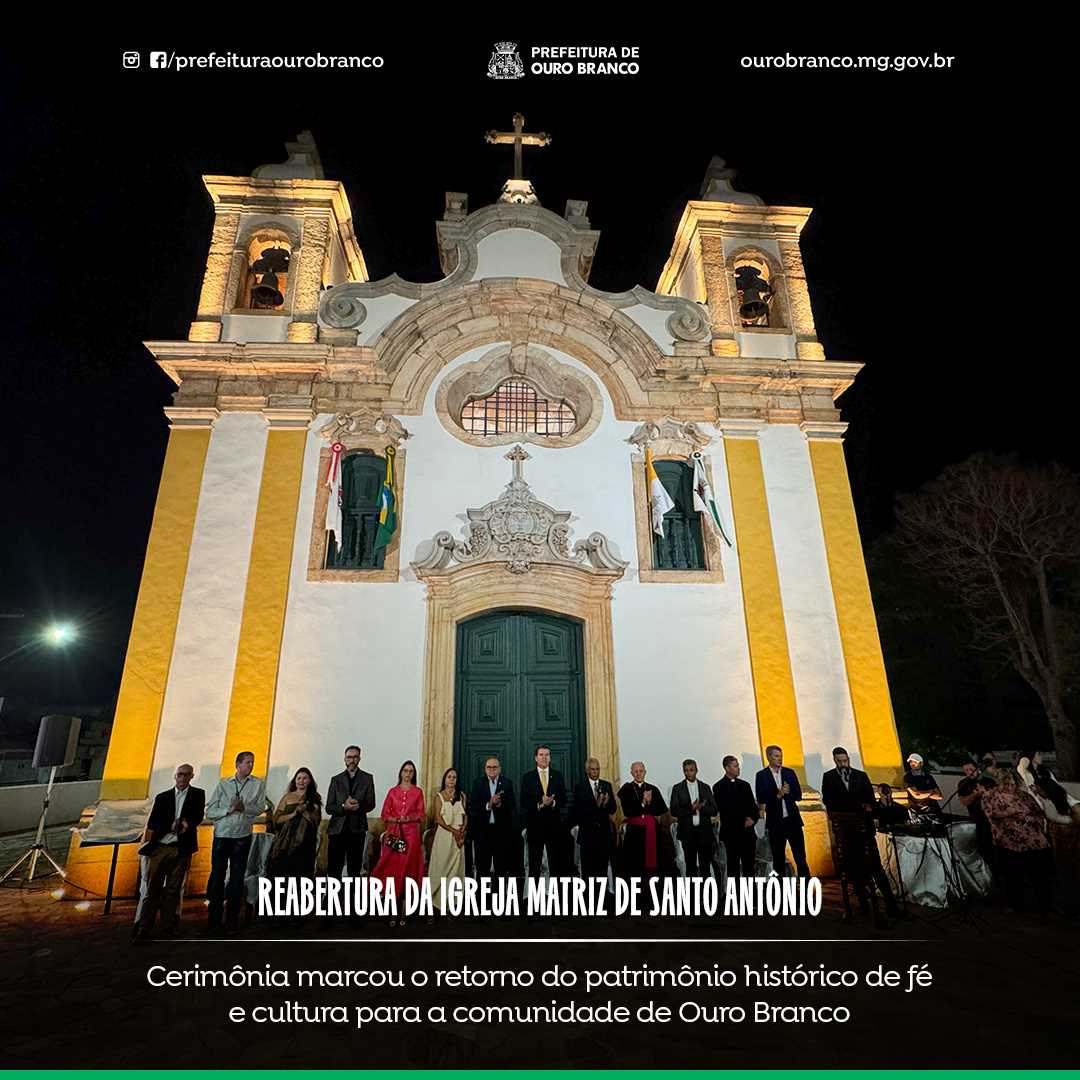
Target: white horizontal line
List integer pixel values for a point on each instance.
(556, 941)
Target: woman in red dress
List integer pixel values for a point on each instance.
(402, 812)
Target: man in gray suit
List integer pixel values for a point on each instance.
(350, 798)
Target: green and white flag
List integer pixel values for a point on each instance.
(387, 510)
(704, 499)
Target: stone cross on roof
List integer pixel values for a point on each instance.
(518, 456)
(519, 138)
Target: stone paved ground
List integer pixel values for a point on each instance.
(75, 992)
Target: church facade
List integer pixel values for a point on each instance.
(425, 518)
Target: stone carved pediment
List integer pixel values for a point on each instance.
(521, 531)
(669, 437)
(361, 428)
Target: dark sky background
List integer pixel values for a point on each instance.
(913, 177)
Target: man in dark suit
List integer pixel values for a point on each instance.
(492, 811)
(350, 798)
(849, 800)
(739, 813)
(543, 800)
(693, 808)
(845, 790)
(592, 813)
(170, 839)
(778, 794)
(641, 805)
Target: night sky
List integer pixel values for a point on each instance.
(912, 262)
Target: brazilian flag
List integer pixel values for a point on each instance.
(387, 512)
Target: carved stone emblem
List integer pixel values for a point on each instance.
(358, 427)
(684, 437)
(521, 531)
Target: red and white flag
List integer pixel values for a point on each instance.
(333, 482)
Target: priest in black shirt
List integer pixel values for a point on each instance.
(739, 813)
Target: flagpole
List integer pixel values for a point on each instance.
(333, 482)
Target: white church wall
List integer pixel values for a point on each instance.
(817, 660)
(519, 253)
(352, 660)
(255, 328)
(196, 704)
(684, 686)
(654, 322)
(381, 312)
(691, 281)
(351, 664)
(770, 346)
(352, 656)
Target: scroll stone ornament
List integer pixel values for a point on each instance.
(688, 323)
(341, 308)
(521, 531)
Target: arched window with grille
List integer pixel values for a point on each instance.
(515, 407)
(681, 547)
(361, 483)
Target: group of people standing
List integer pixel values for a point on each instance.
(1013, 807)
(488, 817)
(1009, 806)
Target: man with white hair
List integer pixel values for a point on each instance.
(170, 839)
(641, 804)
(924, 795)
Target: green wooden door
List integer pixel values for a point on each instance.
(520, 682)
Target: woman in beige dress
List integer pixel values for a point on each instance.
(448, 848)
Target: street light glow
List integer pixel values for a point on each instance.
(59, 634)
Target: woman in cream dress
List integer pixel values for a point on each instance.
(448, 848)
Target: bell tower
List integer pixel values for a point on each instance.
(741, 258)
(280, 237)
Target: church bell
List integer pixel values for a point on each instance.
(266, 294)
(754, 296)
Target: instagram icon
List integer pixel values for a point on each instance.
(159, 59)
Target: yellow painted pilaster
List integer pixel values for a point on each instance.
(251, 707)
(153, 629)
(869, 687)
(774, 688)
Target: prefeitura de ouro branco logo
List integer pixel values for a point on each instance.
(505, 62)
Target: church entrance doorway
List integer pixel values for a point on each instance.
(520, 682)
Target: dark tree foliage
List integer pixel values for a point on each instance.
(1003, 539)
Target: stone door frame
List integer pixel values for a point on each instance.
(468, 590)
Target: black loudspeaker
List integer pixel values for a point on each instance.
(57, 738)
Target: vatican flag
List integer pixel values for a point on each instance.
(704, 499)
(333, 482)
(660, 501)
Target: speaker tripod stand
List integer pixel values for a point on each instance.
(37, 849)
